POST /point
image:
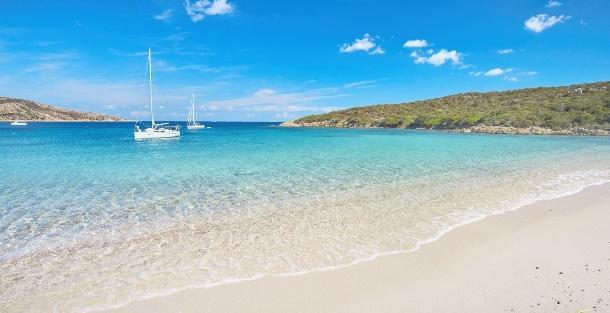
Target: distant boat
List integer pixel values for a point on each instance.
(156, 130)
(192, 123)
(18, 123)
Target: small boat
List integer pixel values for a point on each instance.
(18, 123)
(191, 124)
(156, 130)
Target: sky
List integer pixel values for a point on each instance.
(261, 60)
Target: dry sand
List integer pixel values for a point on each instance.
(552, 256)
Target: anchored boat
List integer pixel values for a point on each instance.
(156, 130)
(18, 123)
(192, 123)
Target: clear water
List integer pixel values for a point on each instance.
(90, 218)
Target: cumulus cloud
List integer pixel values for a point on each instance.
(540, 22)
(366, 44)
(436, 58)
(416, 43)
(505, 51)
(552, 4)
(164, 16)
(199, 9)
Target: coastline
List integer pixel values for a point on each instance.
(67, 121)
(481, 129)
(457, 267)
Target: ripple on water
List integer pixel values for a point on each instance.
(113, 233)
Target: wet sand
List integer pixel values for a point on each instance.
(551, 256)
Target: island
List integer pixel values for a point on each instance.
(27, 110)
(582, 109)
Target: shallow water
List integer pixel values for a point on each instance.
(91, 218)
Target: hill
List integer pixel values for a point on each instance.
(575, 109)
(19, 109)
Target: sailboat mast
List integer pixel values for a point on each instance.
(193, 106)
(152, 117)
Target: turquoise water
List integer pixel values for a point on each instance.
(91, 218)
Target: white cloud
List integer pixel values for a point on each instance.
(437, 58)
(443, 56)
(498, 71)
(219, 7)
(164, 16)
(510, 74)
(199, 9)
(378, 50)
(416, 43)
(418, 59)
(541, 22)
(366, 44)
(494, 72)
(552, 4)
(505, 51)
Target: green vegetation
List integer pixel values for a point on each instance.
(584, 105)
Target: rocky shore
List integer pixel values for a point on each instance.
(506, 130)
(533, 131)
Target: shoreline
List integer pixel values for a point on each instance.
(188, 297)
(478, 129)
(66, 121)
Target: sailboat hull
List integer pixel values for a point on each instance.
(150, 133)
(195, 127)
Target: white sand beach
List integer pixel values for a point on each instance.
(551, 256)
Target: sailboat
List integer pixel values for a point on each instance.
(18, 123)
(192, 124)
(156, 130)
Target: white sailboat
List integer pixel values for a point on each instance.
(156, 130)
(18, 123)
(192, 123)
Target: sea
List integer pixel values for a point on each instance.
(92, 219)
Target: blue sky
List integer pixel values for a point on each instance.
(275, 60)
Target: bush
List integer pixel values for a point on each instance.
(559, 107)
